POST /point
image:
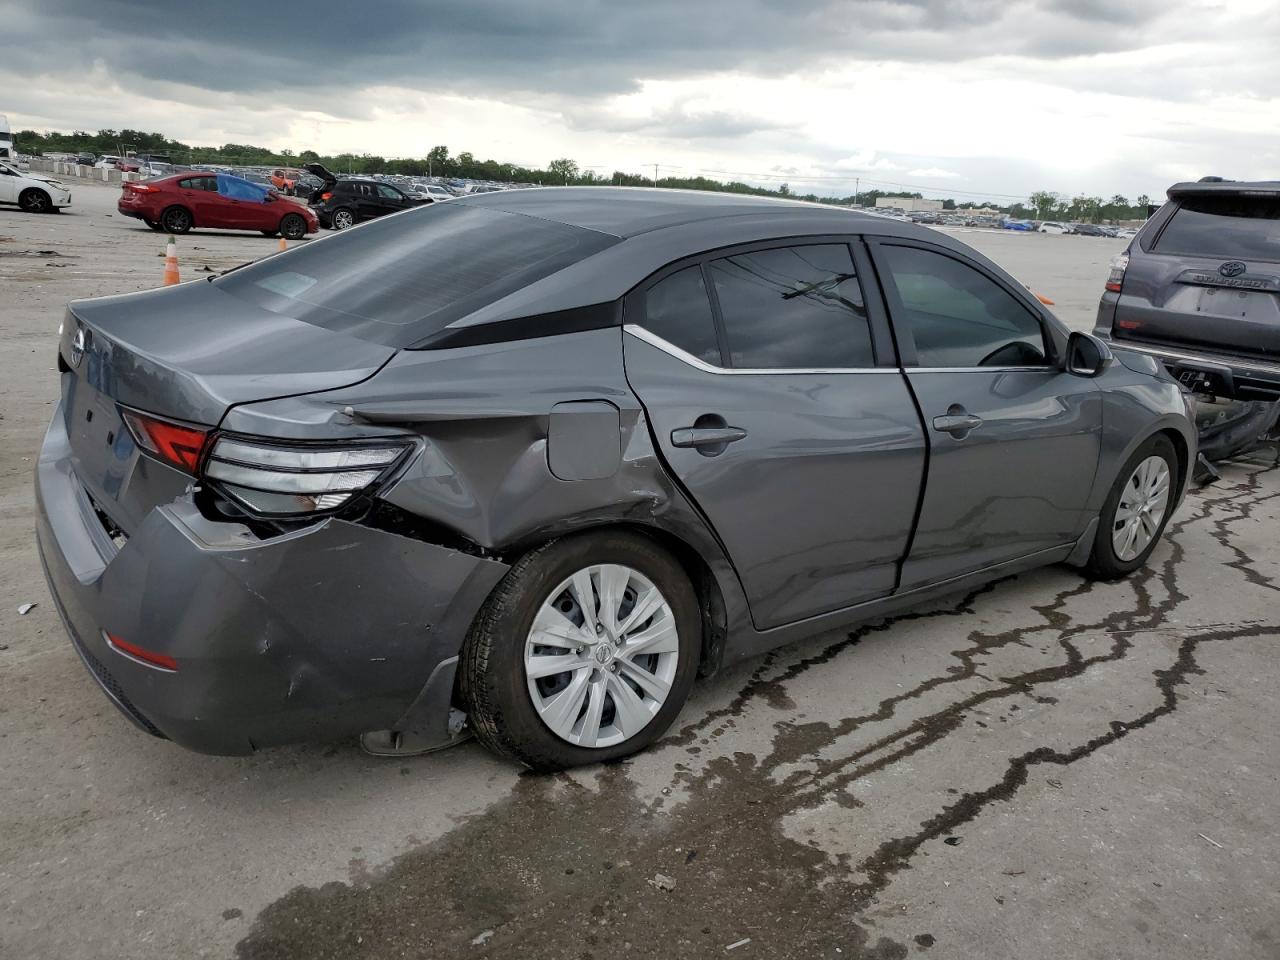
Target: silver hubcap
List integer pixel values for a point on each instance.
(342, 220)
(1143, 503)
(601, 656)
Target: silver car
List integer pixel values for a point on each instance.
(529, 462)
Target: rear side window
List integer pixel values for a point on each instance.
(959, 317)
(398, 280)
(793, 307)
(677, 309)
(1227, 228)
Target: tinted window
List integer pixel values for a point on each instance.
(400, 279)
(793, 307)
(960, 317)
(390, 193)
(677, 309)
(1230, 228)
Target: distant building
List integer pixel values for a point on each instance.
(908, 204)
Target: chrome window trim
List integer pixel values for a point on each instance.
(640, 333)
(1162, 353)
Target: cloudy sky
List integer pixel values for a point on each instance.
(965, 98)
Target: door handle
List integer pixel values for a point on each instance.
(706, 436)
(958, 422)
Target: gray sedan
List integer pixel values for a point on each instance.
(529, 462)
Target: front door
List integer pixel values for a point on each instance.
(1013, 439)
(774, 397)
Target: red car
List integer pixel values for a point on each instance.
(177, 203)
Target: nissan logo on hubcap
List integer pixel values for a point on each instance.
(78, 344)
(1232, 268)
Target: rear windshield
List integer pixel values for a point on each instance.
(398, 280)
(1230, 228)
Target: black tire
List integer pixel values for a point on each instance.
(34, 200)
(176, 220)
(342, 218)
(492, 673)
(1104, 563)
(293, 227)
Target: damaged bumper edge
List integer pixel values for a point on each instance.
(330, 631)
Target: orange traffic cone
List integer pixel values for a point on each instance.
(171, 264)
(283, 244)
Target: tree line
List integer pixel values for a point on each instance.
(1042, 204)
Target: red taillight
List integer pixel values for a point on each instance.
(1116, 279)
(326, 196)
(149, 657)
(176, 444)
(141, 188)
(1128, 324)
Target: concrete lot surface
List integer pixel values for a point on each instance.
(1043, 768)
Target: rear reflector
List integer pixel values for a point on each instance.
(178, 445)
(1115, 281)
(149, 657)
(1128, 324)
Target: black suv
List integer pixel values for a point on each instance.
(343, 202)
(1199, 288)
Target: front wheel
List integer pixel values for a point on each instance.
(585, 652)
(293, 227)
(1136, 511)
(35, 201)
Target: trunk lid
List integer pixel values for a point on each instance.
(187, 354)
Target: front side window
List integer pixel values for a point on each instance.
(389, 193)
(793, 307)
(959, 317)
(678, 310)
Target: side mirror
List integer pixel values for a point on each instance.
(1087, 356)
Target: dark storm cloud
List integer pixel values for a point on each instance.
(576, 48)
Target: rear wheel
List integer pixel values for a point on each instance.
(34, 200)
(584, 653)
(176, 220)
(343, 218)
(1136, 511)
(293, 227)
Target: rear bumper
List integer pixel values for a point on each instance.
(1225, 375)
(330, 631)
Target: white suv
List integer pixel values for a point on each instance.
(1050, 226)
(33, 192)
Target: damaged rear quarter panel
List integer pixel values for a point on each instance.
(484, 473)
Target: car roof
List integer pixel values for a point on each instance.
(630, 211)
(1222, 188)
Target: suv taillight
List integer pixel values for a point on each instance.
(284, 479)
(326, 195)
(1118, 266)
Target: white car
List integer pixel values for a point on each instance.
(434, 191)
(33, 192)
(1049, 226)
(107, 162)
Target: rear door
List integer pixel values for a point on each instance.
(200, 194)
(1013, 439)
(1210, 278)
(774, 397)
